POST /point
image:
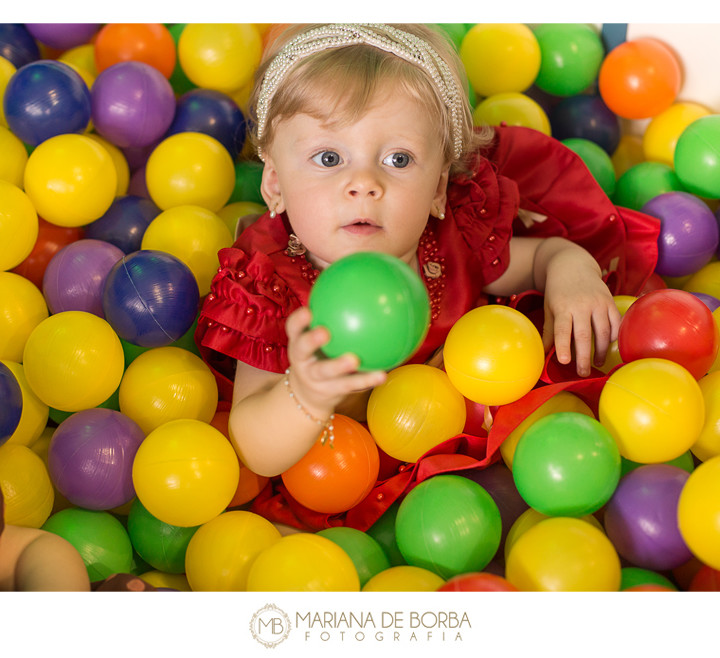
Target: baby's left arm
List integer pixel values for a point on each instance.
(578, 304)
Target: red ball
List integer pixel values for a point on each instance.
(670, 324)
(477, 582)
(706, 579)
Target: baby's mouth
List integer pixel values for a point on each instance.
(362, 226)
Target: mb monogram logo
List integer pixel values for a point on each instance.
(270, 626)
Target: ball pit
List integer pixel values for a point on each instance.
(661, 136)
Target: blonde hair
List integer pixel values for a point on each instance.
(348, 79)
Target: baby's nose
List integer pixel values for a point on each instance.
(364, 184)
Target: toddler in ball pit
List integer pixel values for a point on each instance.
(367, 139)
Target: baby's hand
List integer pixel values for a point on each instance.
(321, 383)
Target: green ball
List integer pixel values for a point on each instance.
(455, 32)
(383, 532)
(596, 160)
(684, 461)
(179, 82)
(161, 545)
(643, 182)
(365, 552)
(697, 157)
(374, 306)
(631, 576)
(99, 537)
(248, 178)
(570, 57)
(566, 464)
(448, 524)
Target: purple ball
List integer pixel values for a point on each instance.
(688, 233)
(74, 279)
(711, 302)
(641, 517)
(63, 35)
(90, 458)
(133, 104)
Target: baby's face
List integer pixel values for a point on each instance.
(366, 186)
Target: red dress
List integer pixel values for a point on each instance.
(259, 284)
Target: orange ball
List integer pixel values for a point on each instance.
(334, 478)
(150, 43)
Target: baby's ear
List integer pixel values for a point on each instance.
(440, 198)
(270, 186)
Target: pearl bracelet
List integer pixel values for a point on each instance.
(326, 426)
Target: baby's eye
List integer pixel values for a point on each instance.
(397, 160)
(327, 159)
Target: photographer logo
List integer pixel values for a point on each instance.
(270, 626)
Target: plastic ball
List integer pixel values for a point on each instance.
(124, 223)
(688, 233)
(641, 518)
(34, 415)
(366, 295)
(566, 464)
(18, 225)
(570, 57)
(219, 56)
(365, 552)
(248, 179)
(26, 486)
(15, 156)
(150, 43)
(133, 104)
(637, 576)
(699, 512)
(586, 117)
(168, 383)
(220, 554)
(176, 582)
(22, 308)
(383, 532)
(17, 44)
(697, 157)
(564, 555)
(11, 410)
(71, 180)
(477, 582)
(7, 70)
(44, 99)
(73, 360)
(179, 80)
(332, 479)
(192, 234)
(654, 409)
(643, 182)
(640, 78)
(707, 444)
(706, 579)
(303, 562)
(629, 152)
(596, 160)
(90, 458)
(500, 57)
(670, 324)
(232, 213)
(122, 168)
(449, 525)
(662, 133)
(75, 277)
(211, 113)
(512, 109)
(189, 169)
(185, 472)
(494, 355)
(99, 537)
(62, 36)
(150, 298)
(415, 409)
(706, 280)
(404, 578)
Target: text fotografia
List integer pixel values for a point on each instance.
(414, 626)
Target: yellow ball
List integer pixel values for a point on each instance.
(303, 562)
(705, 280)
(233, 212)
(26, 486)
(15, 157)
(562, 401)
(219, 56)
(192, 234)
(18, 224)
(415, 409)
(561, 554)
(716, 364)
(221, 552)
(71, 180)
(494, 355)
(190, 169)
(654, 409)
(500, 57)
(623, 302)
(707, 444)
(404, 578)
(514, 109)
(176, 581)
(167, 383)
(662, 133)
(73, 360)
(35, 412)
(7, 70)
(122, 168)
(185, 472)
(629, 152)
(22, 308)
(699, 512)
(81, 57)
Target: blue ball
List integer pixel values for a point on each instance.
(212, 113)
(17, 44)
(11, 403)
(44, 99)
(151, 298)
(124, 223)
(586, 117)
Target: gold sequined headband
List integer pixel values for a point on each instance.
(407, 46)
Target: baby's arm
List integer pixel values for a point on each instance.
(36, 560)
(270, 433)
(578, 304)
